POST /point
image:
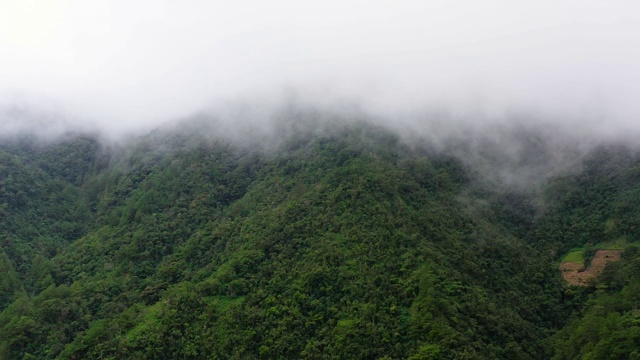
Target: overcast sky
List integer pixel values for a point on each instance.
(126, 64)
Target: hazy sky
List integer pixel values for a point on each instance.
(126, 64)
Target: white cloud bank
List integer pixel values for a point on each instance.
(132, 64)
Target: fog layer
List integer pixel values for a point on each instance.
(125, 66)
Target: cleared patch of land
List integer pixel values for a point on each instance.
(575, 274)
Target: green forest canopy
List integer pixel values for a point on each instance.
(333, 242)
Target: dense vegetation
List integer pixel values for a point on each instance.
(338, 240)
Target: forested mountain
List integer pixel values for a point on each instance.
(328, 239)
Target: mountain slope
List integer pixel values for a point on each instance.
(337, 240)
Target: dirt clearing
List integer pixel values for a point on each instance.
(572, 274)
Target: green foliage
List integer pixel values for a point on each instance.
(575, 255)
(609, 328)
(336, 241)
(10, 285)
(599, 212)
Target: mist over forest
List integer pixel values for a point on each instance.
(319, 180)
(516, 150)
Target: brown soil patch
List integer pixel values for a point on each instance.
(572, 274)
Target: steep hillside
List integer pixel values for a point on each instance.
(42, 205)
(338, 240)
(599, 208)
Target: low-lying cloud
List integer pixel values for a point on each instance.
(126, 66)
